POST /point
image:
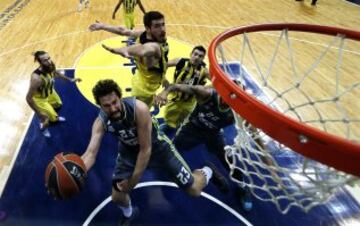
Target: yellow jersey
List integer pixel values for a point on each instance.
(47, 86)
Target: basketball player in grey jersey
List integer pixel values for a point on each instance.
(141, 146)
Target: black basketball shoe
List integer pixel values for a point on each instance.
(218, 179)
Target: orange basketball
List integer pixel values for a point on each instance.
(65, 175)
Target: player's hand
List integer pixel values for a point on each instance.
(121, 51)
(76, 80)
(161, 99)
(126, 185)
(95, 26)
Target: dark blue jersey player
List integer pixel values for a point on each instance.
(204, 126)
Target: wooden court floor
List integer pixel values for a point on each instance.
(56, 26)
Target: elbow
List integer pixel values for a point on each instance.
(148, 151)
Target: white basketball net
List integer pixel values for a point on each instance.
(272, 171)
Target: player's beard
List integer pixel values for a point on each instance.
(49, 68)
(119, 116)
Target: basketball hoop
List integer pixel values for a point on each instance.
(284, 119)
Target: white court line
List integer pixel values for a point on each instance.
(351, 3)
(5, 173)
(167, 184)
(41, 41)
(189, 25)
(8, 169)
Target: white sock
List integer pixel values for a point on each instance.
(127, 211)
(207, 172)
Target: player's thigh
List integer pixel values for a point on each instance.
(129, 21)
(215, 144)
(55, 100)
(175, 166)
(176, 112)
(46, 108)
(187, 137)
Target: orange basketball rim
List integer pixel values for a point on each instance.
(337, 152)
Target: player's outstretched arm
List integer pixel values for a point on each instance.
(120, 30)
(62, 76)
(173, 62)
(138, 50)
(92, 150)
(200, 92)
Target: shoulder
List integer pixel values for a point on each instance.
(35, 76)
(142, 111)
(203, 65)
(141, 107)
(181, 63)
(99, 123)
(37, 72)
(183, 60)
(142, 37)
(102, 117)
(208, 94)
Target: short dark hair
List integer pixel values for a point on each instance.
(150, 16)
(200, 48)
(37, 54)
(105, 87)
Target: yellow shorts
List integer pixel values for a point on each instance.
(129, 20)
(47, 105)
(143, 90)
(176, 112)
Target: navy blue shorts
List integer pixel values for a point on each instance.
(163, 156)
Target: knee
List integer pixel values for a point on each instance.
(118, 198)
(57, 106)
(53, 118)
(193, 191)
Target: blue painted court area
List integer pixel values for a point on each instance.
(355, 1)
(26, 202)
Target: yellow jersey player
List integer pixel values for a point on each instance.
(128, 9)
(150, 53)
(189, 71)
(41, 96)
(83, 4)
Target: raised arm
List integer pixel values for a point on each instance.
(201, 93)
(120, 30)
(139, 50)
(141, 6)
(92, 150)
(173, 62)
(116, 8)
(60, 75)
